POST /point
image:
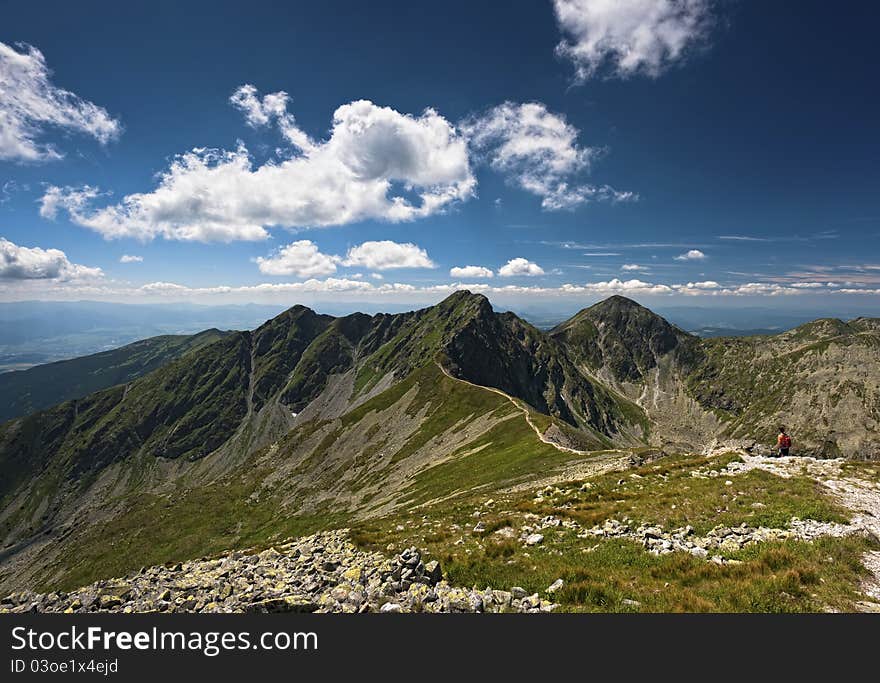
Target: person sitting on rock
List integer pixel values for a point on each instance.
(783, 443)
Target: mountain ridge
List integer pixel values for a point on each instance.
(361, 415)
(42, 386)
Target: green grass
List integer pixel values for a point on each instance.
(42, 386)
(183, 525)
(776, 577)
(668, 495)
(510, 450)
(600, 574)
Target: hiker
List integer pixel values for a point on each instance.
(783, 443)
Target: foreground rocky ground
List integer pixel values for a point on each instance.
(319, 573)
(631, 556)
(860, 496)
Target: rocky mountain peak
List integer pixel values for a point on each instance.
(465, 303)
(622, 336)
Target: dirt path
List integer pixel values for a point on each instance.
(860, 496)
(521, 408)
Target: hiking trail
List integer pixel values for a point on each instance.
(521, 408)
(859, 496)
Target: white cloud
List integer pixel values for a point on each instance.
(617, 286)
(9, 188)
(377, 276)
(520, 267)
(30, 105)
(304, 259)
(34, 263)
(73, 200)
(127, 258)
(318, 290)
(743, 238)
(377, 164)
(385, 255)
(163, 287)
(691, 255)
(628, 37)
(538, 151)
(471, 271)
(301, 258)
(632, 267)
(270, 108)
(311, 285)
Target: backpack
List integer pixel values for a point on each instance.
(785, 441)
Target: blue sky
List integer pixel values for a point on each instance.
(677, 151)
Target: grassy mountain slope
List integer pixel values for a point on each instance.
(821, 380)
(308, 386)
(26, 391)
(428, 438)
(312, 421)
(609, 574)
(474, 343)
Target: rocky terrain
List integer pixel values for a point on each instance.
(320, 573)
(658, 541)
(312, 422)
(856, 494)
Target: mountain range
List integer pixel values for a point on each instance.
(26, 391)
(178, 446)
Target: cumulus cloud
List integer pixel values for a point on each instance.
(301, 258)
(691, 255)
(617, 286)
(386, 255)
(471, 271)
(632, 267)
(34, 263)
(127, 258)
(538, 151)
(30, 105)
(377, 164)
(622, 38)
(304, 259)
(271, 108)
(520, 267)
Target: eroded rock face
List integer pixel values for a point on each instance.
(324, 572)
